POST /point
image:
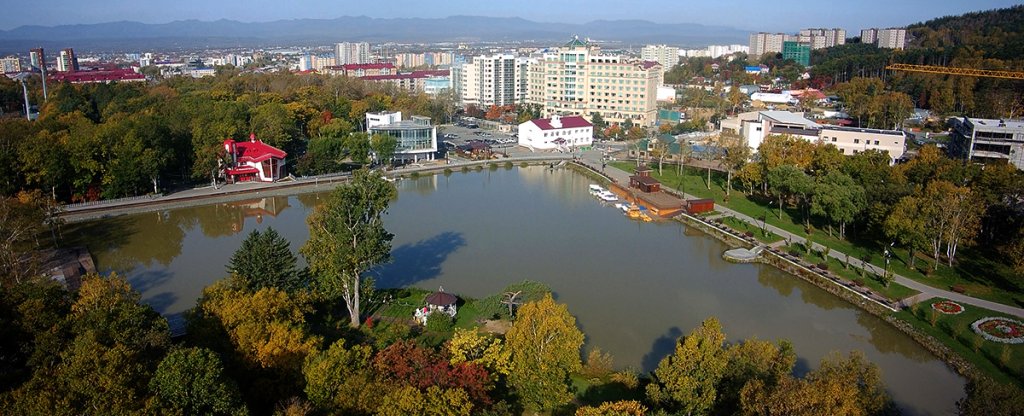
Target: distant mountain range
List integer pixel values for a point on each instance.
(230, 33)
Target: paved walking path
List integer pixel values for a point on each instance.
(593, 159)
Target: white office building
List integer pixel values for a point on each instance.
(417, 138)
(755, 126)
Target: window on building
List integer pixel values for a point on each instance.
(876, 142)
(856, 141)
(833, 139)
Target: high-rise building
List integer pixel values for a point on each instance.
(352, 53)
(36, 58)
(577, 79)
(10, 64)
(891, 38)
(822, 38)
(762, 43)
(67, 61)
(797, 51)
(493, 80)
(667, 56)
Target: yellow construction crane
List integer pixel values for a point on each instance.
(945, 70)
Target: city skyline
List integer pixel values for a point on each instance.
(781, 15)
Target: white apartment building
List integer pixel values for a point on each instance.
(891, 38)
(667, 56)
(577, 79)
(10, 64)
(713, 51)
(352, 53)
(823, 38)
(762, 43)
(492, 80)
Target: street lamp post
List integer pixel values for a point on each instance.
(764, 219)
(887, 254)
(21, 77)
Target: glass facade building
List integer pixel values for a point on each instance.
(417, 139)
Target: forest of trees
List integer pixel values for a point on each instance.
(114, 140)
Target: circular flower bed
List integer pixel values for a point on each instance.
(1000, 330)
(948, 307)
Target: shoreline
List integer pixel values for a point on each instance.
(954, 361)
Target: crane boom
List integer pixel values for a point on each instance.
(944, 70)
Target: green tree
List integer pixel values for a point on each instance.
(989, 398)
(906, 225)
(839, 199)
(788, 181)
(191, 381)
(686, 381)
(358, 147)
(342, 380)
(384, 147)
(265, 260)
(749, 360)
(347, 238)
(545, 345)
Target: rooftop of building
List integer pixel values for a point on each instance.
(570, 122)
(1004, 125)
(403, 125)
(352, 67)
(254, 150)
(786, 117)
(863, 130)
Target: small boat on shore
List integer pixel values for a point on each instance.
(607, 196)
(635, 212)
(595, 189)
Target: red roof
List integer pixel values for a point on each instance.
(570, 122)
(408, 75)
(353, 67)
(98, 76)
(254, 150)
(649, 64)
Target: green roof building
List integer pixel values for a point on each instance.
(799, 52)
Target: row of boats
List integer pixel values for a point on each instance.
(631, 210)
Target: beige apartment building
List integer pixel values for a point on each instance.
(577, 79)
(852, 140)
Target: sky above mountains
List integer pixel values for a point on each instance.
(773, 15)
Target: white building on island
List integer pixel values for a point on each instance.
(556, 133)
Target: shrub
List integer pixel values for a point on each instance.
(627, 378)
(447, 171)
(749, 234)
(387, 333)
(414, 175)
(522, 165)
(439, 322)
(793, 252)
(508, 165)
(478, 167)
(823, 266)
(465, 169)
(492, 166)
(599, 364)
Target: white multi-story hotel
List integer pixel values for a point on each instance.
(492, 80)
(352, 53)
(667, 56)
(577, 79)
(891, 38)
(10, 64)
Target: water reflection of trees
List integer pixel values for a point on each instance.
(419, 261)
(785, 283)
(890, 340)
(661, 348)
(126, 242)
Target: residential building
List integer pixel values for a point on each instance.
(494, 80)
(37, 59)
(891, 38)
(352, 53)
(364, 70)
(667, 56)
(988, 140)
(762, 43)
(755, 126)
(429, 59)
(10, 64)
(417, 138)
(562, 133)
(578, 79)
(822, 38)
(67, 61)
(435, 85)
(100, 76)
(253, 161)
(414, 81)
(797, 51)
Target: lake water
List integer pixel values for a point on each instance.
(634, 287)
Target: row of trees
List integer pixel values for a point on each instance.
(931, 203)
(113, 140)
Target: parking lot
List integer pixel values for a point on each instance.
(500, 142)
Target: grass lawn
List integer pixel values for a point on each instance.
(1002, 362)
(894, 291)
(980, 273)
(743, 226)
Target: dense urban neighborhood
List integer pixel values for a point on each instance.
(817, 221)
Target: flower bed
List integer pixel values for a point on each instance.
(1000, 330)
(948, 307)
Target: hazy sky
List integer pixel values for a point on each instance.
(777, 15)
